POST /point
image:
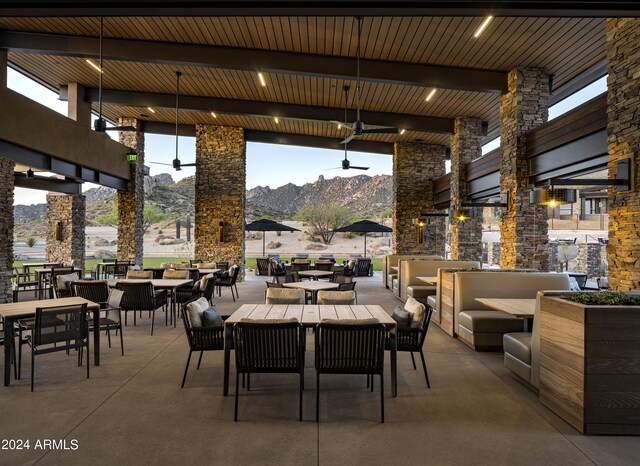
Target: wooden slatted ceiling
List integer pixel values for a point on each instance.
(565, 46)
(285, 125)
(304, 90)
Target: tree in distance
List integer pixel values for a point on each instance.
(324, 218)
(152, 214)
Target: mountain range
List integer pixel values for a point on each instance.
(368, 196)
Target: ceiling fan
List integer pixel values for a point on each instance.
(100, 125)
(177, 164)
(346, 164)
(358, 128)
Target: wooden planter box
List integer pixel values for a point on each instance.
(590, 365)
(447, 290)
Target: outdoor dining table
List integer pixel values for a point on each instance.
(315, 274)
(11, 312)
(41, 275)
(168, 284)
(313, 287)
(517, 307)
(428, 280)
(310, 316)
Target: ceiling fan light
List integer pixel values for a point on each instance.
(30, 173)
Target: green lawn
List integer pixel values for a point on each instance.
(250, 262)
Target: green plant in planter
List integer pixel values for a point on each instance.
(603, 298)
(31, 241)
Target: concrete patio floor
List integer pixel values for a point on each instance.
(133, 411)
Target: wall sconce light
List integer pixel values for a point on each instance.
(220, 231)
(553, 196)
(423, 220)
(59, 231)
(132, 157)
(460, 214)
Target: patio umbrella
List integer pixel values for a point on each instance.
(365, 226)
(267, 225)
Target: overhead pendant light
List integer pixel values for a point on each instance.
(483, 26)
(552, 197)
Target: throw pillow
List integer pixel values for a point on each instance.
(203, 281)
(62, 281)
(195, 310)
(402, 317)
(417, 309)
(212, 318)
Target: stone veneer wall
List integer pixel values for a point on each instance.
(131, 201)
(623, 101)
(415, 166)
(588, 259)
(523, 229)
(466, 236)
(493, 253)
(221, 180)
(6, 228)
(554, 263)
(69, 211)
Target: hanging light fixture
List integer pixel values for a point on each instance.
(30, 173)
(552, 197)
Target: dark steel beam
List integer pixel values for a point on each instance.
(566, 8)
(269, 137)
(265, 109)
(47, 184)
(414, 74)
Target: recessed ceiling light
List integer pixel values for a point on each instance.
(402, 131)
(262, 81)
(483, 26)
(213, 114)
(151, 110)
(431, 94)
(96, 67)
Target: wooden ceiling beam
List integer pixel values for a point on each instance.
(326, 66)
(265, 109)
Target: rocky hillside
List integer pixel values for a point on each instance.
(369, 196)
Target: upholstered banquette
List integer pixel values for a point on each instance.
(483, 328)
(392, 260)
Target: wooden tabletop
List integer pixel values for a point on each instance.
(310, 314)
(312, 286)
(517, 307)
(316, 273)
(428, 280)
(159, 283)
(208, 271)
(29, 307)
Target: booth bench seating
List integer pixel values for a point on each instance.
(483, 328)
(409, 285)
(392, 260)
(522, 349)
(434, 300)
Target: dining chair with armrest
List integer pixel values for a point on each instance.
(268, 346)
(350, 347)
(59, 328)
(141, 297)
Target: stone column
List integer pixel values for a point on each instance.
(588, 260)
(65, 228)
(493, 253)
(623, 101)
(6, 228)
(415, 166)
(523, 229)
(466, 236)
(131, 201)
(221, 180)
(77, 108)
(3, 69)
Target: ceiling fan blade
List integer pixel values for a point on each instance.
(334, 168)
(359, 168)
(341, 123)
(347, 140)
(162, 163)
(381, 131)
(188, 164)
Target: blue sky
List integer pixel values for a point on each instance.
(270, 165)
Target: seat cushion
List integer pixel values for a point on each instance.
(518, 344)
(421, 291)
(490, 322)
(431, 301)
(390, 278)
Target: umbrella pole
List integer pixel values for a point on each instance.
(365, 244)
(263, 234)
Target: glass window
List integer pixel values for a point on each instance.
(565, 209)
